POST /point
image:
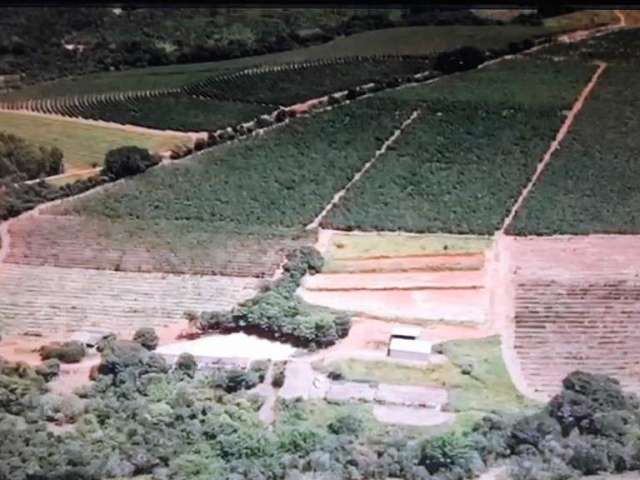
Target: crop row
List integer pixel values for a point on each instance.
(287, 86)
(462, 164)
(282, 180)
(591, 183)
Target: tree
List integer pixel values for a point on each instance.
(126, 161)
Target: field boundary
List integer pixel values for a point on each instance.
(560, 135)
(336, 198)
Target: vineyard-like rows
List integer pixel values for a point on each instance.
(278, 181)
(288, 86)
(140, 246)
(591, 183)
(460, 167)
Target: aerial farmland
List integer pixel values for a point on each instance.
(288, 244)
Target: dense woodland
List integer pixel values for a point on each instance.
(21, 160)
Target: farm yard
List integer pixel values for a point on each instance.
(372, 286)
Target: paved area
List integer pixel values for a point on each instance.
(415, 416)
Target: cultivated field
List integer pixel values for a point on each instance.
(461, 165)
(590, 186)
(83, 145)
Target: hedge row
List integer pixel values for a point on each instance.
(591, 183)
(461, 165)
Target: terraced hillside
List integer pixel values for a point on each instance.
(413, 278)
(575, 304)
(460, 167)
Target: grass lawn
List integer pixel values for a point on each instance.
(581, 20)
(420, 40)
(83, 145)
(487, 389)
(344, 246)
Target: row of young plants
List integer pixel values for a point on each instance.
(591, 183)
(280, 181)
(462, 164)
(142, 416)
(291, 86)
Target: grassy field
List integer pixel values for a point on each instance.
(421, 40)
(345, 246)
(83, 145)
(584, 19)
(460, 166)
(487, 389)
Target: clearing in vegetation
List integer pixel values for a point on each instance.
(352, 246)
(460, 167)
(486, 389)
(82, 144)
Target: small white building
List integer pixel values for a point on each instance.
(409, 349)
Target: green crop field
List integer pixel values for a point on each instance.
(460, 166)
(83, 145)
(421, 40)
(280, 181)
(176, 112)
(293, 86)
(591, 183)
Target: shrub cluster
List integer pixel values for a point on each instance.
(19, 160)
(67, 352)
(142, 418)
(127, 161)
(279, 315)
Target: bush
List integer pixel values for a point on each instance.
(67, 352)
(464, 58)
(278, 375)
(445, 452)
(48, 369)
(125, 161)
(20, 160)
(147, 337)
(186, 363)
(346, 424)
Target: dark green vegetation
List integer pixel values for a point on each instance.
(16, 199)
(278, 314)
(460, 166)
(175, 112)
(126, 161)
(67, 352)
(277, 181)
(294, 85)
(20, 160)
(591, 183)
(143, 417)
(44, 43)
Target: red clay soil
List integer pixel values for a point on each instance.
(394, 280)
(572, 303)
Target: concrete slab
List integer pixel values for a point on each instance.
(350, 391)
(401, 415)
(432, 397)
